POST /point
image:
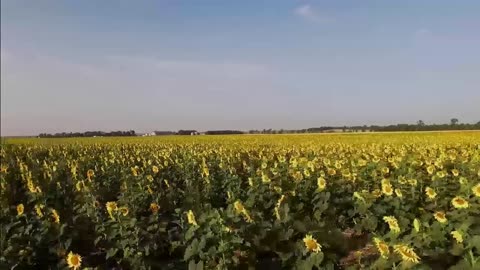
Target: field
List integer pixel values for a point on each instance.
(332, 201)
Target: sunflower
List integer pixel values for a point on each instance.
(74, 260)
(457, 236)
(387, 190)
(38, 209)
(191, 218)
(123, 210)
(90, 173)
(392, 223)
(441, 174)
(111, 206)
(455, 172)
(412, 182)
(430, 169)
(321, 183)
(56, 217)
(331, 171)
(377, 193)
(385, 170)
(430, 192)
(20, 209)
(382, 247)
(311, 244)
(399, 193)
(407, 253)
(476, 190)
(154, 208)
(239, 208)
(155, 169)
(440, 216)
(459, 202)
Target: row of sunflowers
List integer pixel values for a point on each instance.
(375, 201)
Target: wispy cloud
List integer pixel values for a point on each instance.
(309, 13)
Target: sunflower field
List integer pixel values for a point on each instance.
(336, 201)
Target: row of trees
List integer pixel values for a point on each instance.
(89, 134)
(419, 126)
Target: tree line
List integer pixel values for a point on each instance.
(88, 134)
(419, 126)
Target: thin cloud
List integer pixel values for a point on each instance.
(309, 13)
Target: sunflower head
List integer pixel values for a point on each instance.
(311, 244)
(382, 247)
(455, 172)
(457, 236)
(440, 216)
(123, 210)
(56, 217)
(392, 223)
(111, 206)
(476, 190)
(154, 208)
(38, 209)
(191, 218)
(20, 209)
(387, 189)
(155, 169)
(430, 192)
(74, 260)
(321, 183)
(459, 202)
(399, 193)
(239, 208)
(407, 253)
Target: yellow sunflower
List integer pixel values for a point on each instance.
(459, 202)
(457, 236)
(123, 210)
(74, 260)
(441, 174)
(321, 183)
(440, 216)
(392, 223)
(455, 172)
(407, 253)
(430, 169)
(476, 190)
(38, 209)
(154, 207)
(399, 193)
(382, 247)
(20, 209)
(56, 217)
(311, 244)
(239, 208)
(155, 169)
(430, 192)
(191, 218)
(387, 189)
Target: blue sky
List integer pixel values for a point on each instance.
(168, 65)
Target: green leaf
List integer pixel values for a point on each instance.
(111, 252)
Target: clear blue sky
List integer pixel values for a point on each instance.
(200, 64)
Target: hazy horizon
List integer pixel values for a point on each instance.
(211, 65)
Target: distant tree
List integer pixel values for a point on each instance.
(420, 123)
(453, 121)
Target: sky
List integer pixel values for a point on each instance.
(200, 64)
